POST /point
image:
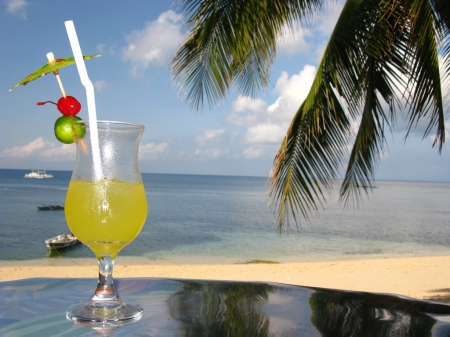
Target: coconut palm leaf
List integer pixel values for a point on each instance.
(379, 80)
(315, 145)
(425, 100)
(232, 42)
(381, 51)
(389, 43)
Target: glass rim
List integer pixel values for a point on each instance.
(111, 122)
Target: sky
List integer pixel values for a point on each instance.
(133, 82)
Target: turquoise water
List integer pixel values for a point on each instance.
(219, 219)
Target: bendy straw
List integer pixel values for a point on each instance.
(76, 49)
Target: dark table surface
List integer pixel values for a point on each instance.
(178, 307)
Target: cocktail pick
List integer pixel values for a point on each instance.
(51, 59)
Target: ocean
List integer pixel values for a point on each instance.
(226, 219)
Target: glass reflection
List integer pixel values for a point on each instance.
(220, 309)
(208, 308)
(338, 314)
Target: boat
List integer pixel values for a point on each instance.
(51, 208)
(38, 174)
(62, 241)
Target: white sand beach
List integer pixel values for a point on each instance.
(419, 277)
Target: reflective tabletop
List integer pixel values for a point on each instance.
(179, 307)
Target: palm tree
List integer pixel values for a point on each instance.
(380, 51)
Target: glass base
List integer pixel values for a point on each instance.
(125, 312)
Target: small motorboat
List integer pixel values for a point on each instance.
(62, 241)
(51, 208)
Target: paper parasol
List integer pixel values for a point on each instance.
(50, 67)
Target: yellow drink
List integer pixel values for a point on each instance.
(105, 215)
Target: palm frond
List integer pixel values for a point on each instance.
(380, 78)
(306, 164)
(232, 42)
(390, 40)
(315, 145)
(426, 32)
(370, 137)
(378, 48)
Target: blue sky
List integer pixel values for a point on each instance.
(133, 82)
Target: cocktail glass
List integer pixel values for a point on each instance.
(105, 209)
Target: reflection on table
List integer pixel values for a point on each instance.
(178, 307)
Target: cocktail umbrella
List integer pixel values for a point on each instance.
(52, 66)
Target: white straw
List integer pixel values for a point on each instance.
(76, 49)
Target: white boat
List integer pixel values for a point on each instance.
(62, 241)
(38, 174)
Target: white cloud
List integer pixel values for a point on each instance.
(152, 150)
(209, 137)
(293, 90)
(17, 7)
(246, 110)
(268, 124)
(312, 37)
(327, 21)
(101, 85)
(154, 44)
(64, 152)
(210, 153)
(252, 153)
(101, 48)
(24, 151)
(266, 133)
(39, 148)
(293, 41)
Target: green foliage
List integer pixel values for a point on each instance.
(232, 42)
(380, 51)
(261, 262)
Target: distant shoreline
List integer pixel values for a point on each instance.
(208, 260)
(244, 176)
(418, 277)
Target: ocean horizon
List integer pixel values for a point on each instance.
(226, 219)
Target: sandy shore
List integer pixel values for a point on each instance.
(419, 277)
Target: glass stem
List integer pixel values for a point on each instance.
(105, 287)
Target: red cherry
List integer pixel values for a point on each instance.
(68, 106)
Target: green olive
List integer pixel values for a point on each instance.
(67, 131)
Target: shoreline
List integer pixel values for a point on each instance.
(418, 277)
